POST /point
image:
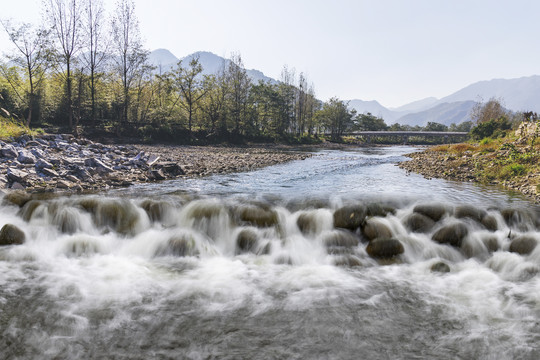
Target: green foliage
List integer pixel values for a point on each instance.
(433, 126)
(369, 122)
(513, 170)
(494, 128)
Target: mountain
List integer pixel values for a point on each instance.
(164, 60)
(521, 94)
(418, 105)
(445, 113)
(373, 107)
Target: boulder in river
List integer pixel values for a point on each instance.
(11, 235)
(490, 222)
(258, 216)
(433, 211)
(340, 238)
(246, 241)
(440, 267)
(523, 245)
(471, 212)
(350, 217)
(18, 198)
(418, 223)
(452, 234)
(384, 248)
(179, 245)
(374, 229)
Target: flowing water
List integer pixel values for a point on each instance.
(275, 264)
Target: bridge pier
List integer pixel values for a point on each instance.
(405, 139)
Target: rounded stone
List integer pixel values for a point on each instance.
(440, 267)
(374, 229)
(350, 217)
(418, 223)
(452, 234)
(11, 235)
(468, 211)
(246, 241)
(523, 245)
(433, 211)
(384, 248)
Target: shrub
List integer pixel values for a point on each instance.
(494, 128)
(512, 170)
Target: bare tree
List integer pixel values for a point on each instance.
(31, 57)
(64, 17)
(96, 46)
(130, 57)
(240, 85)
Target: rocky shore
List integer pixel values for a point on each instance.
(63, 162)
(483, 163)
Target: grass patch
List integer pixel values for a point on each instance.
(513, 170)
(12, 129)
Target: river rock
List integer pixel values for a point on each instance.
(440, 267)
(347, 261)
(11, 235)
(179, 245)
(376, 209)
(257, 216)
(418, 223)
(172, 168)
(350, 217)
(307, 223)
(452, 234)
(468, 211)
(49, 172)
(518, 219)
(374, 229)
(490, 223)
(433, 211)
(384, 248)
(15, 175)
(18, 198)
(523, 245)
(340, 238)
(28, 209)
(246, 241)
(9, 151)
(26, 157)
(43, 164)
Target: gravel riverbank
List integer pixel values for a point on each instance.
(62, 162)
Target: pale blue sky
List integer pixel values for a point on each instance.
(387, 50)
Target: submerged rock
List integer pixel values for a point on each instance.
(347, 261)
(340, 238)
(350, 217)
(433, 211)
(440, 267)
(523, 245)
(452, 234)
(468, 211)
(419, 223)
(11, 235)
(257, 216)
(490, 223)
(374, 229)
(179, 245)
(18, 198)
(246, 241)
(384, 248)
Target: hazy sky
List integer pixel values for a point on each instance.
(393, 51)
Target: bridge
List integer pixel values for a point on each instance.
(405, 136)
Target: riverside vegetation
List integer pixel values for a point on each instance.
(510, 158)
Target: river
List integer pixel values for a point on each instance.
(256, 266)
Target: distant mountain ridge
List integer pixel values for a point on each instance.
(521, 94)
(164, 61)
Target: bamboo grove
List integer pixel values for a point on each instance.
(84, 70)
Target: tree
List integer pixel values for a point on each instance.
(433, 126)
(32, 59)
(491, 110)
(336, 117)
(189, 86)
(130, 57)
(239, 85)
(369, 122)
(64, 17)
(96, 46)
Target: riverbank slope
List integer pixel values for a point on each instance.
(512, 162)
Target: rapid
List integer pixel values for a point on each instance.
(342, 255)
